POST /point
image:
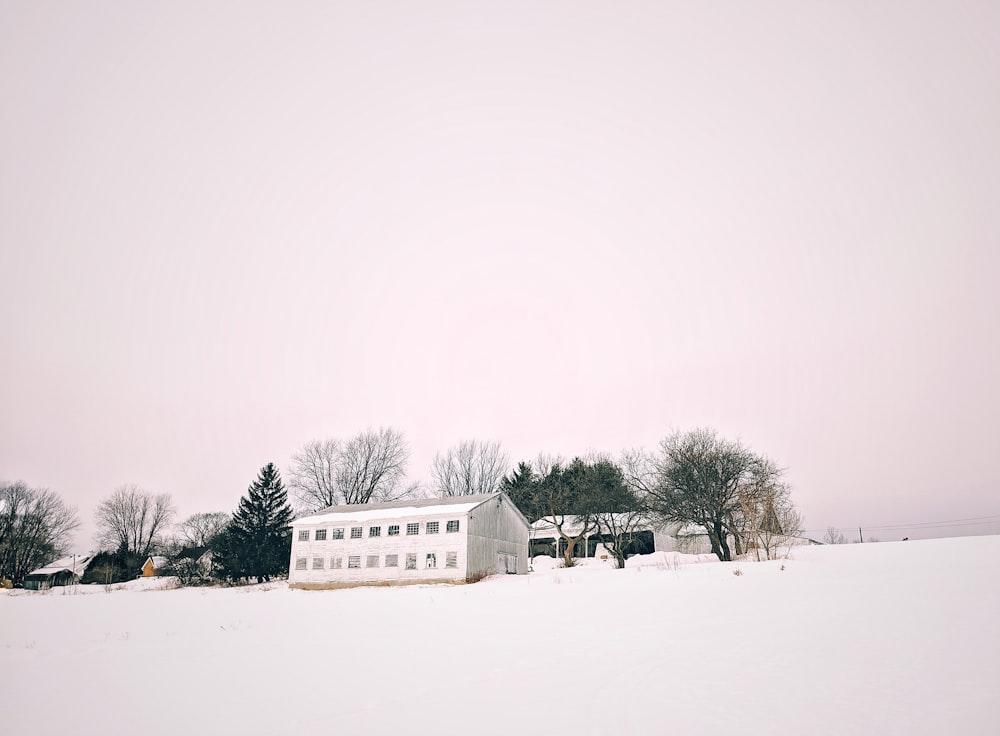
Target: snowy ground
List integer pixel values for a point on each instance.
(884, 638)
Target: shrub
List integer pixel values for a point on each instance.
(475, 577)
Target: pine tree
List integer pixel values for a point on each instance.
(258, 540)
(521, 486)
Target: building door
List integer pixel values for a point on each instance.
(506, 563)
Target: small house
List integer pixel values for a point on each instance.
(154, 565)
(415, 541)
(64, 571)
(193, 564)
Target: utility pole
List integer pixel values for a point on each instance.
(861, 536)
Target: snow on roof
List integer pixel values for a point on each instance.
(396, 509)
(78, 565)
(572, 523)
(193, 553)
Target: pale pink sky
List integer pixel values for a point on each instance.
(227, 228)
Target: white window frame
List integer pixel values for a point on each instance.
(320, 535)
(432, 527)
(412, 529)
(301, 562)
(411, 561)
(430, 561)
(318, 563)
(303, 535)
(452, 526)
(356, 532)
(354, 562)
(451, 559)
(374, 531)
(369, 560)
(393, 530)
(336, 563)
(338, 533)
(392, 560)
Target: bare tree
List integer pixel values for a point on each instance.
(638, 468)
(834, 536)
(372, 467)
(35, 526)
(619, 529)
(199, 530)
(469, 468)
(701, 479)
(565, 508)
(313, 478)
(769, 518)
(369, 467)
(132, 520)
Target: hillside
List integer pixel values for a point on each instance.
(881, 638)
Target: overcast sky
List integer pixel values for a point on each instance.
(228, 228)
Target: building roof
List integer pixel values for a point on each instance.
(398, 509)
(77, 565)
(191, 553)
(572, 525)
(159, 562)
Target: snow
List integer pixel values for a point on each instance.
(879, 638)
(383, 512)
(77, 563)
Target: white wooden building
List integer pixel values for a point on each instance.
(650, 536)
(413, 541)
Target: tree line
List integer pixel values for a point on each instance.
(735, 496)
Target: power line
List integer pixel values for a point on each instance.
(969, 521)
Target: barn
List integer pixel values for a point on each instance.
(65, 571)
(414, 541)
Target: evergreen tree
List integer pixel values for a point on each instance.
(257, 542)
(521, 486)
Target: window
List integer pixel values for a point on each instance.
(300, 563)
(372, 561)
(411, 560)
(336, 563)
(337, 534)
(431, 560)
(303, 535)
(432, 527)
(413, 528)
(317, 563)
(392, 560)
(354, 562)
(374, 531)
(355, 532)
(393, 530)
(451, 558)
(452, 526)
(321, 534)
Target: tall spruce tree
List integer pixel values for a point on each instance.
(521, 486)
(258, 540)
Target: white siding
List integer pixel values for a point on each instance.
(420, 544)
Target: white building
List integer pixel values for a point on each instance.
(414, 541)
(648, 536)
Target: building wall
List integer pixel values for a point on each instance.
(420, 544)
(495, 528)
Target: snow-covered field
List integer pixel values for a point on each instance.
(884, 638)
